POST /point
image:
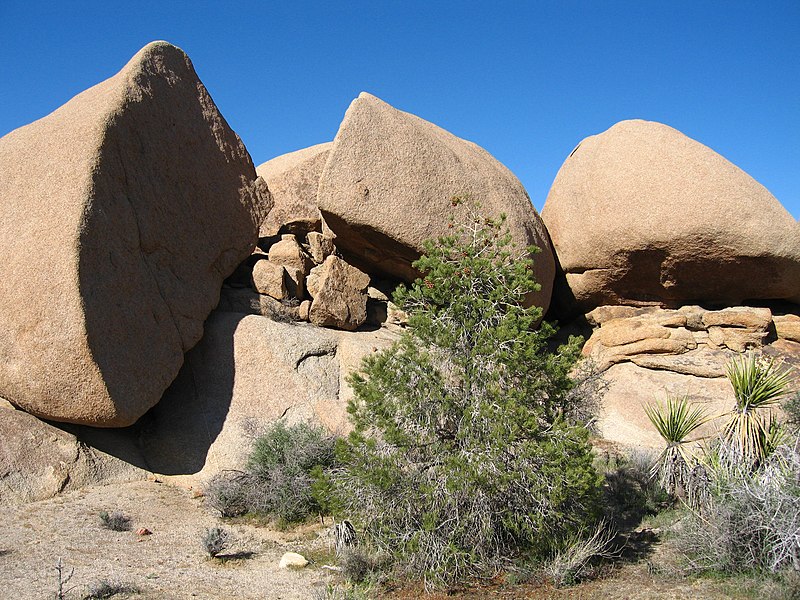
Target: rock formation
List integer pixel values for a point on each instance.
(38, 461)
(339, 292)
(247, 372)
(642, 214)
(293, 180)
(122, 213)
(646, 354)
(389, 182)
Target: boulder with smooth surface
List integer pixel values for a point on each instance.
(123, 211)
(293, 180)
(642, 214)
(389, 185)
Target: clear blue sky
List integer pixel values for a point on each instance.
(526, 80)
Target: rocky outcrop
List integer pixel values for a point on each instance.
(38, 461)
(247, 372)
(389, 183)
(293, 180)
(642, 214)
(631, 334)
(647, 354)
(123, 211)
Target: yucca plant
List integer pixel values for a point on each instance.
(758, 385)
(675, 422)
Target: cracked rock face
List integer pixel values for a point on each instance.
(643, 214)
(123, 211)
(246, 373)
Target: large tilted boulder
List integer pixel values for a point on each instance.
(123, 211)
(389, 182)
(643, 214)
(293, 180)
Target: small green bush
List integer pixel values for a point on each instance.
(284, 477)
(100, 590)
(630, 492)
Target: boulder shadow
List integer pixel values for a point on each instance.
(174, 437)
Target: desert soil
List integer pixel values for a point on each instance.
(171, 563)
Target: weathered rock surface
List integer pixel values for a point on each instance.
(339, 294)
(123, 211)
(269, 279)
(643, 214)
(247, 372)
(654, 331)
(293, 180)
(38, 461)
(631, 387)
(388, 186)
(787, 327)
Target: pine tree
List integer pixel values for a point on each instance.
(463, 456)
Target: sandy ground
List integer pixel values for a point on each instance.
(169, 564)
(172, 564)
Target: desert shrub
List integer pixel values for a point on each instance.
(100, 590)
(580, 552)
(751, 521)
(744, 488)
(214, 540)
(285, 462)
(791, 408)
(116, 521)
(355, 565)
(229, 493)
(758, 385)
(630, 492)
(284, 476)
(464, 455)
(63, 578)
(675, 467)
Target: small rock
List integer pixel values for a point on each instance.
(268, 278)
(292, 559)
(143, 531)
(304, 309)
(320, 246)
(787, 327)
(289, 253)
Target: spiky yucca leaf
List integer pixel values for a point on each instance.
(758, 385)
(675, 422)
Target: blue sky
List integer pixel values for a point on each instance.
(525, 80)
